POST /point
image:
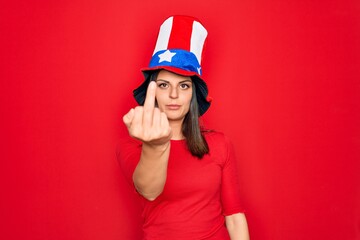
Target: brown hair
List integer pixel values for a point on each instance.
(191, 129)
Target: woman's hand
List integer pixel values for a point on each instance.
(147, 123)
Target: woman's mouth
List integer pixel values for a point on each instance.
(173, 106)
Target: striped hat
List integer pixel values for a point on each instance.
(179, 49)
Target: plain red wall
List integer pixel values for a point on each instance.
(285, 78)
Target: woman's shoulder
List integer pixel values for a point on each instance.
(219, 145)
(214, 136)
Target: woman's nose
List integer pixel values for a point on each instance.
(173, 92)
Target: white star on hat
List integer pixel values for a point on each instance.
(166, 56)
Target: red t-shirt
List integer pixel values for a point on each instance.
(198, 193)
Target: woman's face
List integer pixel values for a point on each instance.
(173, 94)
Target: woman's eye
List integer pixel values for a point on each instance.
(184, 86)
(163, 85)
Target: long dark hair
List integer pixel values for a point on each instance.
(191, 127)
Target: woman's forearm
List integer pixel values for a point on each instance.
(237, 227)
(150, 174)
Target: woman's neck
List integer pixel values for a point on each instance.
(176, 127)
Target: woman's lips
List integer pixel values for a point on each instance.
(173, 106)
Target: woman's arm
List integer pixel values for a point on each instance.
(237, 227)
(150, 174)
(149, 125)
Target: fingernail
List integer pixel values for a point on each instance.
(152, 85)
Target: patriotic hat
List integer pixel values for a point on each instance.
(179, 49)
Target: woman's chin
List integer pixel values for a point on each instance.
(172, 116)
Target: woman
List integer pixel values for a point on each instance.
(185, 176)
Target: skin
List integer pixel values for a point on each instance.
(237, 227)
(155, 127)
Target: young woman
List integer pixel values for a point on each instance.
(185, 176)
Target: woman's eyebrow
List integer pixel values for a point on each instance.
(187, 80)
(162, 80)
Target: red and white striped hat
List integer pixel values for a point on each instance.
(179, 49)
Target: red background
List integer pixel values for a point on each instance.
(285, 78)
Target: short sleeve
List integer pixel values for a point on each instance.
(128, 156)
(230, 188)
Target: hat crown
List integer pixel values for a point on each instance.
(182, 32)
